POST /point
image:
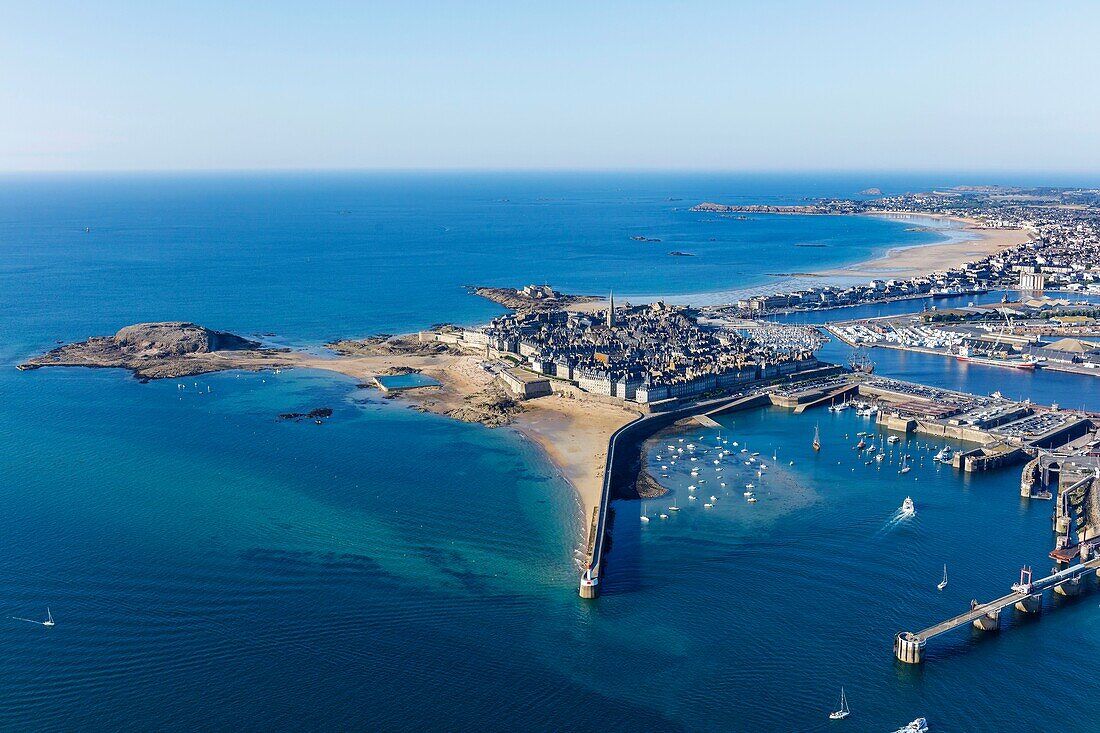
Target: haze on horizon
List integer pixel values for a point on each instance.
(610, 85)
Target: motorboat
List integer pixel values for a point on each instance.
(907, 507)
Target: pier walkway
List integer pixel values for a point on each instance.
(615, 467)
(1025, 596)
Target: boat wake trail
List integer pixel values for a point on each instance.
(896, 519)
(29, 620)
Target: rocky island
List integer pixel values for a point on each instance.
(531, 298)
(160, 350)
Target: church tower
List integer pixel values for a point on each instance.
(611, 311)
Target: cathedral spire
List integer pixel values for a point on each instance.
(611, 311)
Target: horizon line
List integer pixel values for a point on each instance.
(547, 170)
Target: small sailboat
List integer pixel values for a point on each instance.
(905, 467)
(817, 438)
(645, 514)
(943, 583)
(752, 500)
(674, 508)
(48, 622)
(842, 712)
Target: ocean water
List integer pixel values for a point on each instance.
(210, 567)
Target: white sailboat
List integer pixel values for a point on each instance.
(48, 622)
(904, 464)
(645, 514)
(842, 712)
(943, 583)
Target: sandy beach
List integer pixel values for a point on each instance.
(574, 434)
(905, 262)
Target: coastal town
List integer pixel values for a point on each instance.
(1062, 252)
(652, 355)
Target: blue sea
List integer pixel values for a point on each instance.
(210, 567)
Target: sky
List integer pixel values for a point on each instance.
(730, 86)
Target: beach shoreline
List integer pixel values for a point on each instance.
(924, 259)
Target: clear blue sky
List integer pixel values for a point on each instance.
(596, 84)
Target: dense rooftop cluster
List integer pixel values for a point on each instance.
(646, 353)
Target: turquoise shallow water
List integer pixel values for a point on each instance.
(210, 567)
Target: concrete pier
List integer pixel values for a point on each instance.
(1069, 588)
(1030, 604)
(590, 584)
(989, 621)
(1026, 597)
(909, 648)
(623, 463)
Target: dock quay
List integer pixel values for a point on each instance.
(624, 461)
(1005, 432)
(1026, 597)
(1058, 447)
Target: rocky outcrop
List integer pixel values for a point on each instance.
(316, 415)
(176, 338)
(386, 345)
(494, 407)
(153, 350)
(713, 208)
(516, 300)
